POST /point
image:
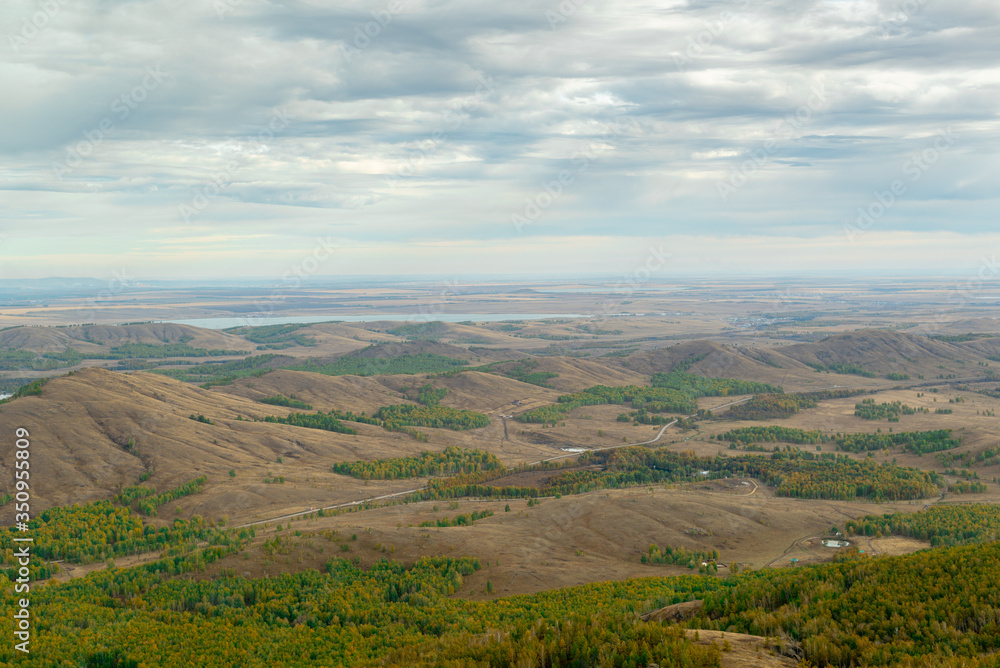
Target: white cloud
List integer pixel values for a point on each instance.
(454, 114)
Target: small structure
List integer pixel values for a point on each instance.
(832, 542)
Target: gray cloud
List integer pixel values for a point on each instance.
(424, 120)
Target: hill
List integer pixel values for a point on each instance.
(713, 360)
(97, 338)
(95, 431)
(479, 356)
(881, 351)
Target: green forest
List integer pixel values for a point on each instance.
(356, 364)
(450, 462)
(928, 609)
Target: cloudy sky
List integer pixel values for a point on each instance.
(214, 138)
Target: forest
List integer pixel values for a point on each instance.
(928, 609)
(869, 410)
(450, 462)
(211, 374)
(917, 442)
(793, 474)
(287, 402)
(275, 337)
(324, 421)
(356, 364)
(942, 525)
(101, 530)
(433, 415)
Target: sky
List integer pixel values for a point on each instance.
(263, 138)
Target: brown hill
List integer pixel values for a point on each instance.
(480, 356)
(322, 392)
(880, 351)
(335, 339)
(483, 392)
(576, 374)
(94, 338)
(986, 347)
(713, 360)
(81, 426)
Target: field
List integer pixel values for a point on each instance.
(570, 501)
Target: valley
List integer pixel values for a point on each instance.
(555, 453)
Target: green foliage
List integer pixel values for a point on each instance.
(770, 406)
(459, 520)
(773, 433)
(34, 388)
(412, 415)
(932, 608)
(12, 360)
(778, 406)
(844, 368)
(678, 556)
(159, 351)
(25, 359)
(898, 376)
(960, 338)
(674, 392)
(522, 370)
(212, 374)
(917, 442)
(149, 504)
(429, 396)
(130, 494)
(97, 531)
(324, 421)
(346, 616)
(793, 474)
(276, 336)
(359, 365)
(942, 525)
(699, 386)
(287, 402)
(869, 410)
(428, 331)
(966, 487)
(450, 462)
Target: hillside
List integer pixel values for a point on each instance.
(881, 351)
(714, 360)
(95, 338)
(479, 356)
(81, 426)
